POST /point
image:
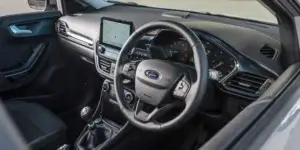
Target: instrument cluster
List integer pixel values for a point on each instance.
(221, 63)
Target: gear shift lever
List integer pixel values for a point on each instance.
(91, 138)
(86, 114)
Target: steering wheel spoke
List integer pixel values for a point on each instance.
(143, 115)
(129, 69)
(150, 115)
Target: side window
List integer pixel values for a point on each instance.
(9, 7)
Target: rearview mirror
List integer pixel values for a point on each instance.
(42, 4)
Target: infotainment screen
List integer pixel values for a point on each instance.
(114, 32)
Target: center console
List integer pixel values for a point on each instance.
(105, 124)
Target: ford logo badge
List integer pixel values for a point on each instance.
(152, 74)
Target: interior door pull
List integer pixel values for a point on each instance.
(18, 31)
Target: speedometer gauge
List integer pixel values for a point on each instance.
(219, 60)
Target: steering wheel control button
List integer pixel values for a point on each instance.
(129, 97)
(129, 70)
(181, 89)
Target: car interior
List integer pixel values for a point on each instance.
(130, 77)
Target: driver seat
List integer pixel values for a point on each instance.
(41, 129)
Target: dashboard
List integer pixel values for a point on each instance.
(243, 57)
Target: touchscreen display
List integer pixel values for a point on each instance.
(115, 33)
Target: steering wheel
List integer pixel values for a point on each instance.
(159, 84)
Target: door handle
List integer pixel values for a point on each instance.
(17, 31)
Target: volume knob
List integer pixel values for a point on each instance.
(100, 50)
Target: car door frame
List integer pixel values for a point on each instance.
(286, 11)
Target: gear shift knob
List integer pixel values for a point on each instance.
(86, 114)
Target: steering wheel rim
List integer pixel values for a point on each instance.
(197, 90)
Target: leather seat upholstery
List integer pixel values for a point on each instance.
(40, 128)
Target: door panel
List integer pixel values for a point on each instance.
(14, 73)
(35, 68)
(31, 61)
(23, 42)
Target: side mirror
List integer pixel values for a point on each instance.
(42, 5)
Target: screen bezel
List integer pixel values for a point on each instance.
(114, 20)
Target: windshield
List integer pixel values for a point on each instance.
(247, 9)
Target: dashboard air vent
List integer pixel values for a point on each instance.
(105, 65)
(248, 84)
(268, 52)
(62, 27)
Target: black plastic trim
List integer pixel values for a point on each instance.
(29, 65)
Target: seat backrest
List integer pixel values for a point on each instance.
(9, 135)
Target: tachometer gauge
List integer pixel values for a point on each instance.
(180, 51)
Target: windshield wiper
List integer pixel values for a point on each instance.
(123, 3)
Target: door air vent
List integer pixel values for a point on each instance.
(248, 84)
(62, 27)
(268, 52)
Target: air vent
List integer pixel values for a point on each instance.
(105, 65)
(248, 84)
(62, 27)
(268, 52)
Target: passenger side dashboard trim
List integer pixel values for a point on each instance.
(64, 31)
